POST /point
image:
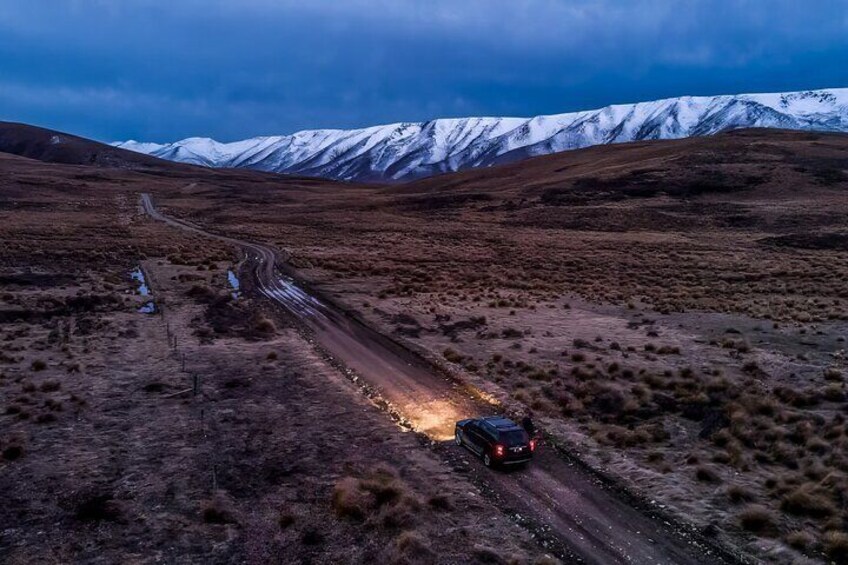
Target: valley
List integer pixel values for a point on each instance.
(673, 313)
(651, 303)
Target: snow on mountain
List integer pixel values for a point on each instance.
(404, 151)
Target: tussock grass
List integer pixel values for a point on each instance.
(758, 520)
(217, 511)
(808, 500)
(265, 326)
(379, 498)
(835, 545)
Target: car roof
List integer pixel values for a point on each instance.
(501, 423)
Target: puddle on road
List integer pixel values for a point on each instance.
(286, 292)
(138, 275)
(234, 283)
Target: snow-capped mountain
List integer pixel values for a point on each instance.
(413, 150)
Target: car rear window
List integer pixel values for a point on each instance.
(515, 437)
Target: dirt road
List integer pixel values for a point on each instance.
(590, 523)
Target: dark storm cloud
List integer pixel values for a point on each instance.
(162, 70)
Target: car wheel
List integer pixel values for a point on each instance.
(487, 461)
(458, 437)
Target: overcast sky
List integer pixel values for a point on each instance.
(161, 70)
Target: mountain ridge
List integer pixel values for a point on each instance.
(410, 150)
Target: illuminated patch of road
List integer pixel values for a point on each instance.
(435, 418)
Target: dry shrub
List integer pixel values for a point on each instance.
(265, 325)
(13, 452)
(817, 445)
(836, 546)
(349, 500)
(97, 507)
(201, 293)
(286, 519)
(45, 418)
(834, 392)
(833, 374)
(609, 401)
(379, 499)
(799, 540)
(440, 502)
(411, 547)
(452, 355)
(808, 500)
(312, 536)
(217, 511)
(738, 494)
(50, 386)
(622, 437)
(707, 475)
(511, 333)
(758, 519)
(38, 365)
(188, 277)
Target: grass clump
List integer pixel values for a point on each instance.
(50, 386)
(833, 374)
(707, 475)
(265, 326)
(758, 520)
(13, 452)
(835, 545)
(379, 499)
(411, 546)
(350, 501)
(738, 494)
(452, 355)
(217, 511)
(808, 500)
(799, 540)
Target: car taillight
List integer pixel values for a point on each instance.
(499, 451)
(532, 445)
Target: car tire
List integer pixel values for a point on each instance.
(458, 437)
(487, 461)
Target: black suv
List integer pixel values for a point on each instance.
(498, 440)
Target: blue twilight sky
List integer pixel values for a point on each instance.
(160, 70)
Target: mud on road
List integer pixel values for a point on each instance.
(571, 509)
